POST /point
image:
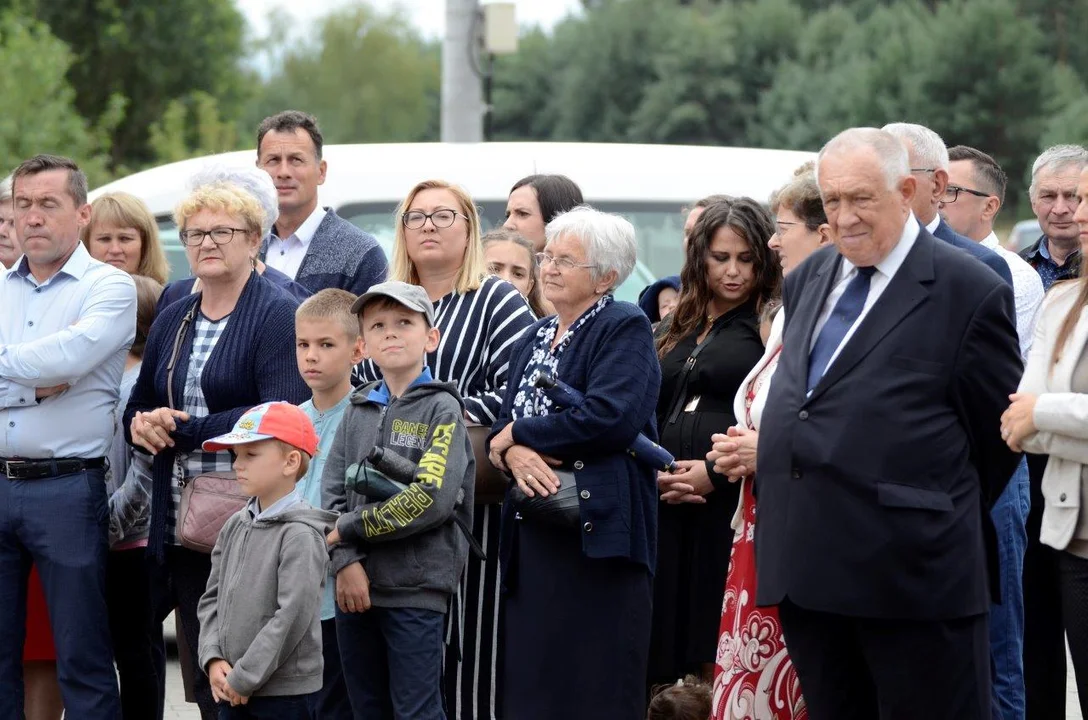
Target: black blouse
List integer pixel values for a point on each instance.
(706, 399)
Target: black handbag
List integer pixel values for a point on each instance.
(562, 508)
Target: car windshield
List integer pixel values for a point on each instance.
(658, 226)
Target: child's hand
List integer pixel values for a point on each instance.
(353, 589)
(334, 537)
(217, 676)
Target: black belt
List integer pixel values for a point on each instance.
(38, 469)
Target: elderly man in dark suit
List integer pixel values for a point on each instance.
(880, 453)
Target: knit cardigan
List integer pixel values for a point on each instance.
(340, 255)
(253, 362)
(612, 361)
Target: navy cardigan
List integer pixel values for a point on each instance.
(612, 360)
(253, 362)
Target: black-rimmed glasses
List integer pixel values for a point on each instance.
(415, 219)
(219, 235)
(923, 170)
(953, 191)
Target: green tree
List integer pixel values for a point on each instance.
(150, 53)
(366, 75)
(39, 113)
(191, 128)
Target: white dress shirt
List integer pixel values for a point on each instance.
(287, 255)
(75, 328)
(1028, 291)
(885, 271)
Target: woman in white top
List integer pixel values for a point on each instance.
(753, 676)
(1049, 416)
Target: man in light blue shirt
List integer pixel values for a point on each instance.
(66, 323)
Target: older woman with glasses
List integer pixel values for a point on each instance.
(578, 570)
(209, 357)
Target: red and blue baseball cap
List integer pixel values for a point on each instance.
(273, 420)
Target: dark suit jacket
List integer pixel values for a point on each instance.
(874, 492)
(992, 260)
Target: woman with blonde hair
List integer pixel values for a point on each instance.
(123, 233)
(437, 246)
(209, 357)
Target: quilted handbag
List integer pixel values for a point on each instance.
(207, 501)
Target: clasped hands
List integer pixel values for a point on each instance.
(151, 430)
(531, 471)
(733, 455)
(1018, 421)
(218, 670)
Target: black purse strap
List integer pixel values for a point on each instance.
(185, 322)
(678, 395)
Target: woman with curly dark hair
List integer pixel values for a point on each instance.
(706, 348)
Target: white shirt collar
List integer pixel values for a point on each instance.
(990, 241)
(308, 228)
(890, 264)
(933, 224)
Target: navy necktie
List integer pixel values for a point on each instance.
(842, 318)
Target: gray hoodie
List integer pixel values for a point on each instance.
(409, 545)
(262, 609)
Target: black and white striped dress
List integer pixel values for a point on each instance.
(478, 331)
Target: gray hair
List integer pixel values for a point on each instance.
(893, 155)
(252, 180)
(1056, 157)
(609, 240)
(6, 190)
(922, 143)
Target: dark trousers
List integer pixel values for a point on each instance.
(1044, 631)
(178, 585)
(280, 707)
(861, 669)
(1074, 584)
(138, 646)
(59, 525)
(392, 660)
(331, 701)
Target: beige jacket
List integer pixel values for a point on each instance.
(1061, 415)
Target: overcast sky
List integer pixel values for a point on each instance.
(428, 15)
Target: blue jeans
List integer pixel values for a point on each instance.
(1010, 516)
(392, 662)
(274, 707)
(59, 525)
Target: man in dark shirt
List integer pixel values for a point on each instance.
(1056, 255)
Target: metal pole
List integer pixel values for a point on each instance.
(462, 101)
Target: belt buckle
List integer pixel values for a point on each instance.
(7, 469)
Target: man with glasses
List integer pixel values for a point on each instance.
(929, 167)
(310, 244)
(970, 203)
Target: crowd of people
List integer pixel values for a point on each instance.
(418, 486)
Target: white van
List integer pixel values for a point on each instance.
(648, 184)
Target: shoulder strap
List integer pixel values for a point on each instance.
(678, 394)
(185, 322)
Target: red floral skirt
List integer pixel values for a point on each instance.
(753, 676)
(39, 636)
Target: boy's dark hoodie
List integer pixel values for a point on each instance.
(412, 550)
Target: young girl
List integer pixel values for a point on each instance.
(510, 256)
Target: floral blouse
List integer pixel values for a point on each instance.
(531, 401)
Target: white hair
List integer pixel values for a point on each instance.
(1055, 157)
(253, 180)
(923, 144)
(6, 189)
(893, 156)
(609, 240)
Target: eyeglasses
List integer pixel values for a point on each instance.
(953, 191)
(781, 226)
(415, 219)
(561, 263)
(923, 170)
(219, 235)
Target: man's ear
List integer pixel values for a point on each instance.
(991, 208)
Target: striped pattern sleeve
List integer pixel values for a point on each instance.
(478, 329)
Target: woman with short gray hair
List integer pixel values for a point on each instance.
(580, 517)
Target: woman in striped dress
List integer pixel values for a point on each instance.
(437, 246)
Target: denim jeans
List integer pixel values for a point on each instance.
(392, 662)
(331, 701)
(274, 707)
(1010, 515)
(59, 524)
